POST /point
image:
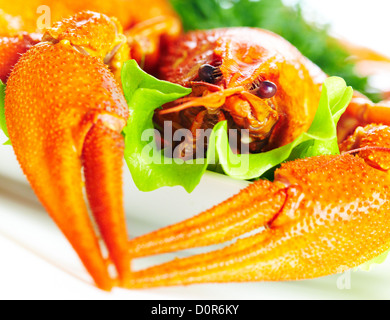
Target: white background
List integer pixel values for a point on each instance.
(360, 21)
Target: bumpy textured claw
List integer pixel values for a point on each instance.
(305, 231)
(65, 112)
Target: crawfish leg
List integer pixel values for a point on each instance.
(361, 112)
(102, 159)
(367, 112)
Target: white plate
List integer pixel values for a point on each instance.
(38, 263)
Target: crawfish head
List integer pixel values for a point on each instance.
(253, 78)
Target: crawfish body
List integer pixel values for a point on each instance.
(243, 60)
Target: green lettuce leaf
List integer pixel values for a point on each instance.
(151, 169)
(378, 260)
(3, 125)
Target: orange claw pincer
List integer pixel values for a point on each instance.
(65, 112)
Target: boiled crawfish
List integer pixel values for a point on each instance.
(65, 111)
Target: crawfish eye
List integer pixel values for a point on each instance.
(266, 90)
(208, 73)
